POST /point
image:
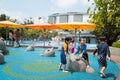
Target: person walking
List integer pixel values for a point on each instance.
(103, 51)
(17, 37)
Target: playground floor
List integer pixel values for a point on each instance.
(21, 65)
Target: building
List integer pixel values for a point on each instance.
(68, 17)
(74, 17)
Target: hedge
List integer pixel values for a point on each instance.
(116, 44)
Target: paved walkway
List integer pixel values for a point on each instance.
(115, 56)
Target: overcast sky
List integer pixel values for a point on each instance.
(21, 9)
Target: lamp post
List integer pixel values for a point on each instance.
(80, 32)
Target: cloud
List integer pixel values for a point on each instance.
(20, 16)
(64, 3)
(69, 3)
(52, 10)
(13, 15)
(86, 3)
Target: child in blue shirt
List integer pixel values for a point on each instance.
(82, 50)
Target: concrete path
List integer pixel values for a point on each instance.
(115, 56)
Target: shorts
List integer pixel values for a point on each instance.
(85, 56)
(63, 58)
(102, 61)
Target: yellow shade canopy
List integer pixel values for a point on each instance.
(76, 26)
(9, 24)
(42, 26)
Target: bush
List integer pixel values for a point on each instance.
(116, 44)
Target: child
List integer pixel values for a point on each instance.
(72, 49)
(82, 49)
(103, 51)
(64, 54)
(58, 41)
(1, 38)
(17, 37)
(49, 43)
(11, 37)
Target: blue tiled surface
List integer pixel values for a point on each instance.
(12, 68)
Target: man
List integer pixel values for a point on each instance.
(17, 37)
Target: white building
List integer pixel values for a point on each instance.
(74, 17)
(68, 17)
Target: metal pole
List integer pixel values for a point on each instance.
(79, 34)
(75, 34)
(44, 37)
(6, 34)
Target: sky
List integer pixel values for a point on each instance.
(21, 9)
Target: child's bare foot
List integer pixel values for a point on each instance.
(102, 75)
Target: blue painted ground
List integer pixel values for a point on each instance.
(21, 65)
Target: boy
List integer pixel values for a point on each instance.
(103, 51)
(82, 49)
(64, 54)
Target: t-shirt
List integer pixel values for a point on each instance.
(103, 49)
(65, 47)
(17, 34)
(81, 48)
(72, 47)
(10, 35)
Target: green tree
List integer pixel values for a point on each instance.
(4, 31)
(26, 33)
(39, 18)
(4, 17)
(28, 21)
(106, 16)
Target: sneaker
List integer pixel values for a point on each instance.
(65, 71)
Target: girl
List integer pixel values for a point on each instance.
(72, 49)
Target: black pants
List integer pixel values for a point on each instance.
(85, 56)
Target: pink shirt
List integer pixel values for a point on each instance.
(72, 48)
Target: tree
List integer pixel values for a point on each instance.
(4, 31)
(4, 17)
(28, 21)
(39, 18)
(26, 33)
(106, 16)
